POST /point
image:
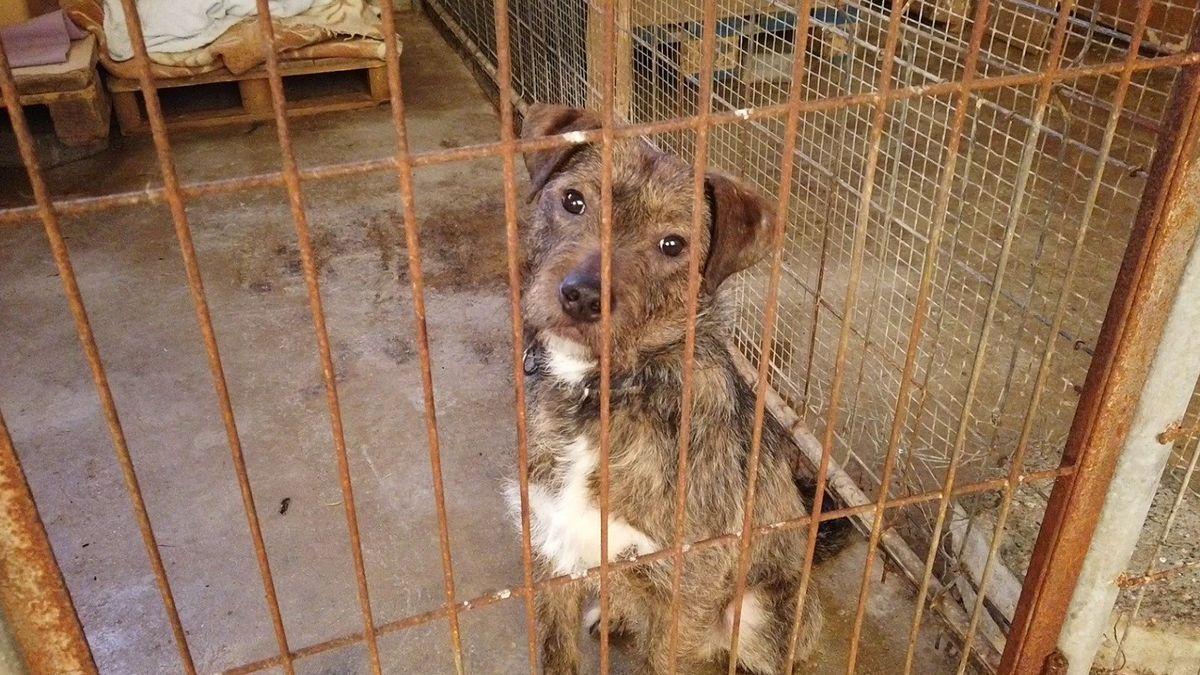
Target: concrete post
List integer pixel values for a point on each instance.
(1164, 400)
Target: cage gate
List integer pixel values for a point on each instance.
(984, 212)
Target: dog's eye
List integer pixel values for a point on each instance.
(672, 245)
(573, 202)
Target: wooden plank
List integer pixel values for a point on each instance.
(129, 111)
(82, 119)
(286, 68)
(302, 108)
(76, 73)
(256, 95)
(622, 58)
(378, 79)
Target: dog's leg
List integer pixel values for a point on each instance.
(767, 616)
(701, 600)
(559, 609)
(811, 621)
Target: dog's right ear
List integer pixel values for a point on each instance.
(548, 120)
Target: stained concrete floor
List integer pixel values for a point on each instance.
(128, 266)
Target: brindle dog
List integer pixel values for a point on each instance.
(652, 207)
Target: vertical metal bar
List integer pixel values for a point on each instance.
(291, 179)
(942, 207)
(606, 225)
(512, 244)
(87, 339)
(417, 279)
(183, 233)
(782, 213)
(858, 248)
(1166, 223)
(917, 329)
(1017, 462)
(683, 442)
(33, 594)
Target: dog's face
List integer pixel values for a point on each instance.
(651, 237)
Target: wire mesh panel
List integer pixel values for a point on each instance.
(1046, 183)
(957, 182)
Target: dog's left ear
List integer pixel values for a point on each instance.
(546, 120)
(740, 223)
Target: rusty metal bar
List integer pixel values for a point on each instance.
(87, 340)
(417, 279)
(1141, 581)
(187, 250)
(489, 599)
(1017, 462)
(858, 248)
(782, 210)
(80, 205)
(512, 248)
(980, 350)
(921, 308)
(699, 208)
(308, 260)
(606, 224)
(33, 595)
(1166, 223)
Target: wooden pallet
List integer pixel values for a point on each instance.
(246, 97)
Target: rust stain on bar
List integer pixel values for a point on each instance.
(33, 594)
(606, 225)
(80, 205)
(858, 248)
(699, 208)
(512, 247)
(916, 334)
(307, 257)
(416, 275)
(782, 211)
(87, 340)
(1136, 580)
(183, 234)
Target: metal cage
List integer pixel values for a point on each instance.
(982, 208)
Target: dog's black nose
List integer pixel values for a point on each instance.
(579, 295)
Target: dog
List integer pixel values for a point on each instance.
(561, 304)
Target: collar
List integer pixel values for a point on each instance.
(534, 365)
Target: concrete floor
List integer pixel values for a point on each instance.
(129, 269)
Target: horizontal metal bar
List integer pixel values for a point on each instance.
(520, 592)
(82, 205)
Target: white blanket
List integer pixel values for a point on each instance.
(181, 25)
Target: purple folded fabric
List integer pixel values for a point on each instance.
(40, 41)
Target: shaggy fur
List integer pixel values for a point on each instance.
(651, 200)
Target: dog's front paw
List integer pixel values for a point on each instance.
(591, 620)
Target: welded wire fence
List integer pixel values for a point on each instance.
(955, 181)
(1045, 180)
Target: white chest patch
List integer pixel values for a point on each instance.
(566, 524)
(566, 360)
